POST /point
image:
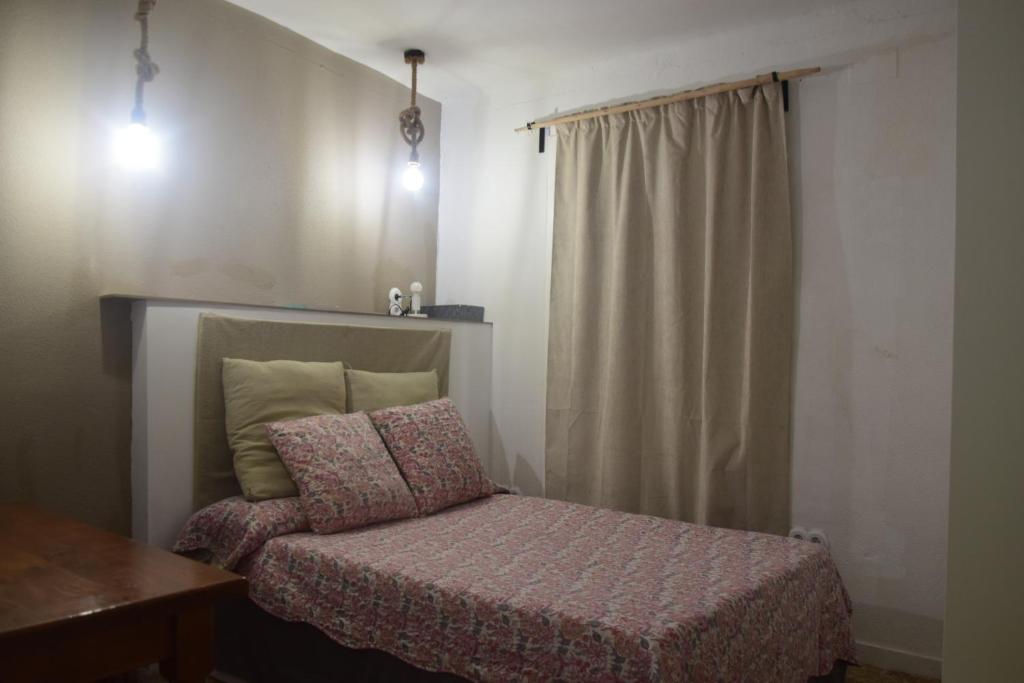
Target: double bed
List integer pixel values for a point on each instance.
(516, 588)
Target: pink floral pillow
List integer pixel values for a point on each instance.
(431, 446)
(230, 529)
(345, 476)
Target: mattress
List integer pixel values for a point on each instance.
(521, 588)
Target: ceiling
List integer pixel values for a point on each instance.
(472, 45)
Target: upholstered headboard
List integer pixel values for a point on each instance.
(377, 349)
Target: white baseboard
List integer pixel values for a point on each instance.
(899, 660)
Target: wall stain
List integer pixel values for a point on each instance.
(886, 353)
(190, 267)
(259, 278)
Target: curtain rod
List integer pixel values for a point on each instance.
(762, 79)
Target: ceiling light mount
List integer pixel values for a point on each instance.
(413, 55)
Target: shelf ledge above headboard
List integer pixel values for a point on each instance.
(281, 306)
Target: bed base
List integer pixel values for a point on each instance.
(257, 647)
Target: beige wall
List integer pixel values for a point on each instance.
(985, 602)
(280, 186)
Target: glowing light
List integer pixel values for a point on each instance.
(412, 178)
(136, 147)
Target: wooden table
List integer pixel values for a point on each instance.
(78, 603)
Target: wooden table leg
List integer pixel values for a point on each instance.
(191, 656)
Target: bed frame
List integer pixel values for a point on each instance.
(255, 646)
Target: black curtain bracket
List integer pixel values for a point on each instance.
(785, 90)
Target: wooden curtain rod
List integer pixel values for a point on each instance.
(763, 79)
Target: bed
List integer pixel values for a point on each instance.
(509, 587)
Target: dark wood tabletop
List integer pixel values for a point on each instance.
(65, 584)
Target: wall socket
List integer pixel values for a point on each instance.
(818, 536)
(813, 535)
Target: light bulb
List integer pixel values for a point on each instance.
(412, 179)
(136, 147)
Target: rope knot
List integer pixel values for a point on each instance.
(146, 69)
(411, 126)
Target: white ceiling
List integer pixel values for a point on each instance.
(474, 44)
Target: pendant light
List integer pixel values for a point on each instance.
(135, 145)
(411, 126)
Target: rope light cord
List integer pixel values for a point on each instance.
(145, 68)
(412, 101)
(409, 122)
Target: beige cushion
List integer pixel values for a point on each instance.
(375, 390)
(259, 392)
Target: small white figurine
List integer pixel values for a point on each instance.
(416, 288)
(395, 302)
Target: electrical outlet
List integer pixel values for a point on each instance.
(818, 536)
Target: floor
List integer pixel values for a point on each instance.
(869, 674)
(854, 674)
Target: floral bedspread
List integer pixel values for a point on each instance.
(232, 529)
(528, 589)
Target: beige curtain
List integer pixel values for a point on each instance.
(672, 313)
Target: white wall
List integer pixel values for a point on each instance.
(873, 163)
(874, 197)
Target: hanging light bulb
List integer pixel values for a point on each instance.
(136, 146)
(411, 127)
(412, 177)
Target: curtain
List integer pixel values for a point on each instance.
(672, 313)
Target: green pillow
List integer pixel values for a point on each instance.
(256, 393)
(375, 390)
